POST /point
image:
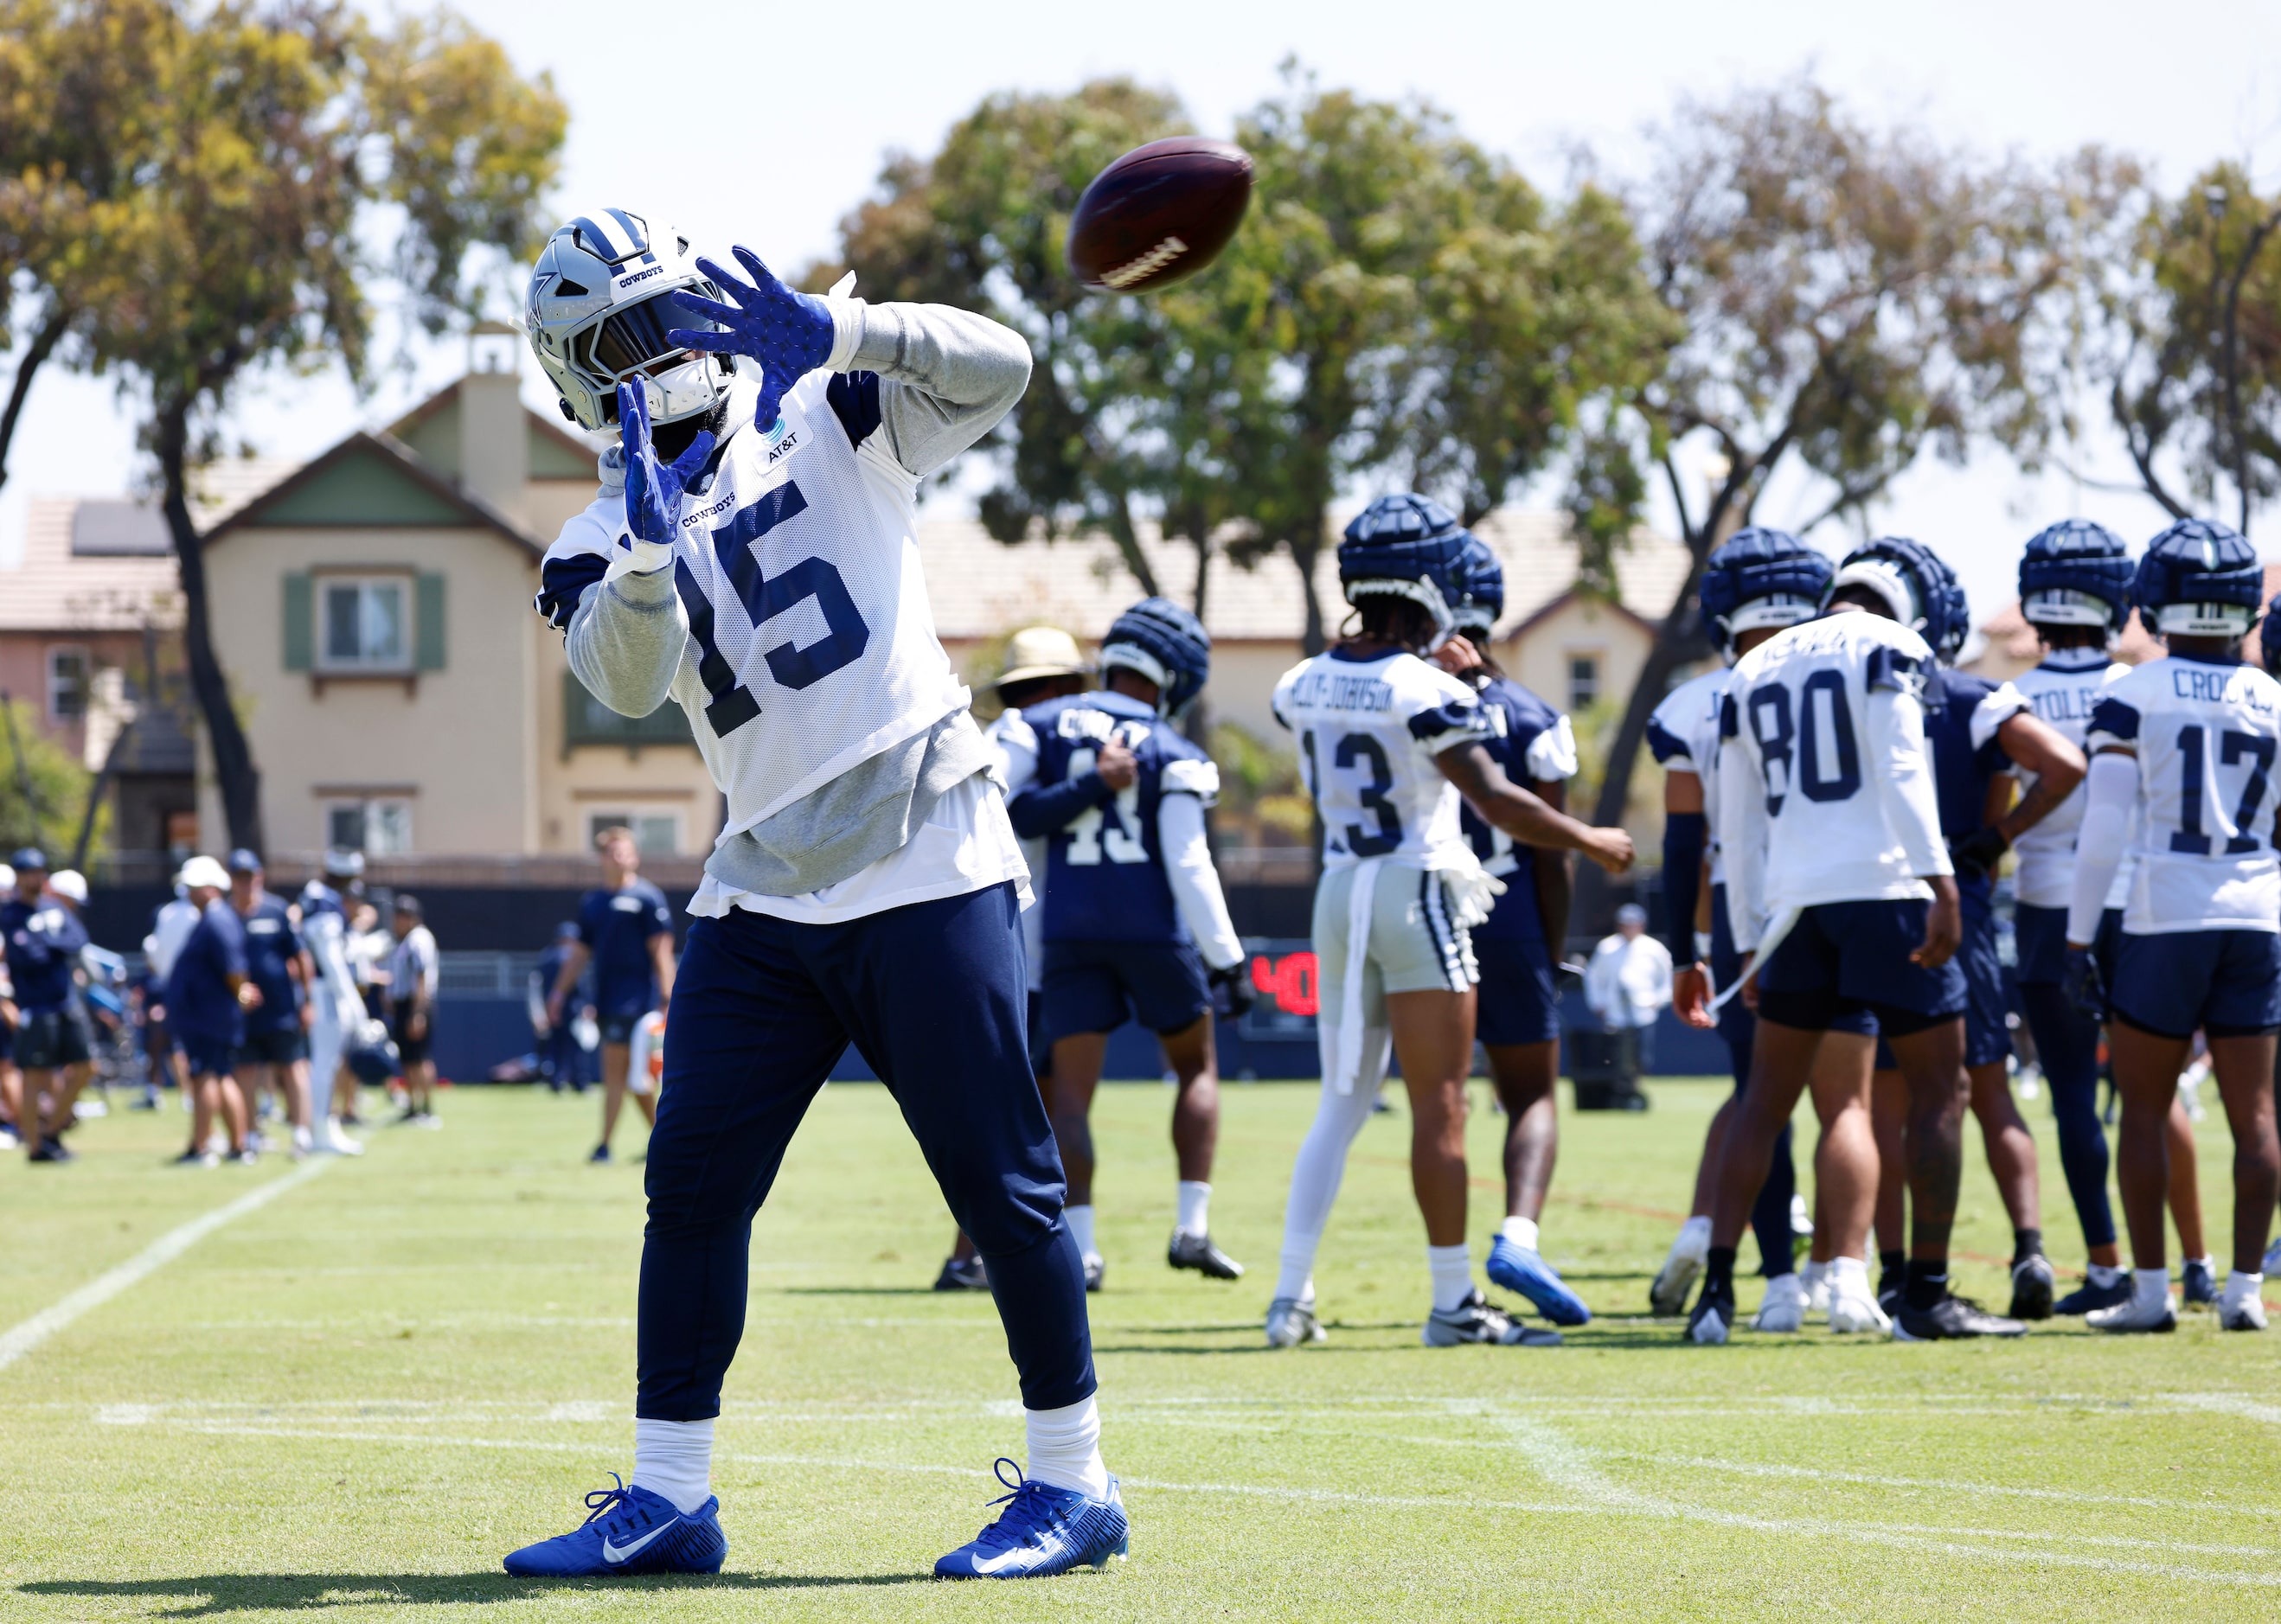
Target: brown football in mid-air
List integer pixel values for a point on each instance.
(1159, 214)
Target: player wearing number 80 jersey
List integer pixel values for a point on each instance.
(753, 560)
(2190, 743)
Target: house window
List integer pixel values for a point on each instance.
(381, 827)
(364, 623)
(656, 834)
(67, 684)
(1583, 681)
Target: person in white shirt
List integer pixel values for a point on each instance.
(1628, 983)
(2182, 752)
(1388, 742)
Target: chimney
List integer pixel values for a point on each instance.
(494, 444)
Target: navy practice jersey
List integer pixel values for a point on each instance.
(199, 1000)
(1962, 715)
(42, 949)
(1104, 855)
(271, 946)
(1533, 744)
(617, 927)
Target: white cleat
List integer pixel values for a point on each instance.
(1291, 1321)
(1815, 1278)
(1675, 1281)
(337, 1143)
(2242, 1308)
(1784, 1308)
(1853, 1306)
(2137, 1314)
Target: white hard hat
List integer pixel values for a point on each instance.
(71, 884)
(203, 871)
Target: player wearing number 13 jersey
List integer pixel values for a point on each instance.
(1388, 741)
(751, 558)
(2189, 742)
(1134, 923)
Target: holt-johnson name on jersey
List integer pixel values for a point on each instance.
(811, 644)
(1105, 868)
(2207, 735)
(1368, 732)
(2062, 692)
(1825, 795)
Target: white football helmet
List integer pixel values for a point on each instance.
(596, 318)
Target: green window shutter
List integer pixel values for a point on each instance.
(430, 628)
(300, 620)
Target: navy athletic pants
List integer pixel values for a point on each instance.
(933, 997)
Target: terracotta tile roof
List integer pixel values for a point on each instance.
(980, 588)
(53, 590)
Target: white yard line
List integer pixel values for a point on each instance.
(20, 1339)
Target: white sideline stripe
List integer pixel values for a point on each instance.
(1741, 1469)
(2229, 1403)
(20, 1339)
(1568, 1467)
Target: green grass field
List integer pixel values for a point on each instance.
(350, 1400)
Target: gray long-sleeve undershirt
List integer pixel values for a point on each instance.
(946, 377)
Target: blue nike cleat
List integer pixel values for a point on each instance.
(628, 1531)
(1520, 1268)
(1043, 1531)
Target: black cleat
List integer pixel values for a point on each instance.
(50, 1150)
(2088, 1299)
(1951, 1319)
(2200, 1284)
(2032, 1279)
(1714, 1315)
(962, 1275)
(1197, 1252)
(601, 1154)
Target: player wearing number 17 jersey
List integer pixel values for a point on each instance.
(2189, 744)
(751, 558)
(1135, 925)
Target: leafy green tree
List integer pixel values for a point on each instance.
(278, 132)
(1851, 298)
(44, 787)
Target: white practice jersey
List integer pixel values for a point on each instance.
(2062, 693)
(1033, 851)
(1683, 736)
(1368, 732)
(811, 646)
(1825, 782)
(2207, 735)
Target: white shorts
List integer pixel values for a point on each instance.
(1415, 945)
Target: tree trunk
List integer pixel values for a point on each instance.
(1677, 640)
(44, 345)
(235, 772)
(1313, 641)
(1126, 535)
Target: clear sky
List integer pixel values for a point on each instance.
(763, 125)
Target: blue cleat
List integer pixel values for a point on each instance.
(1043, 1531)
(1520, 1268)
(628, 1531)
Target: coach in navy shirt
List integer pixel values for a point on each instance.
(44, 937)
(276, 1050)
(207, 995)
(625, 933)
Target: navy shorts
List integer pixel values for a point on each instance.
(2228, 982)
(281, 1047)
(52, 1039)
(1987, 1033)
(208, 1054)
(1520, 997)
(1844, 959)
(7, 1043)
(1095, 986)
(620, 1028)
(2042, 935)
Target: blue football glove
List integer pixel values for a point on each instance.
(2081, 980)
(789, 334)
(653, 489)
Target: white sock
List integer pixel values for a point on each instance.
(1064, 1448)
(2206, 1262)
(2149, 1287)
(1453, 1276)
(1838, 1270)
(2239, 1286)
(1315, 1172)
(1810, 1273)
(1694, 1238)
(1080, 1220)
(1195, 1207)
(2103, 1275)
(1521, 1232)
(675, 1459)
